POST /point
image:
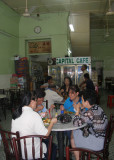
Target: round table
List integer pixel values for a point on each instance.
(60, 128)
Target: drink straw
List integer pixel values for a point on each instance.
(49, 114)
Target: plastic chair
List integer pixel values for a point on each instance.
(84, 154)
(110, 102)
(8, 143)
(18, 150)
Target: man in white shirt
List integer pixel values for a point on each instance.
(52, 95)
(49, 81)
(84, 70)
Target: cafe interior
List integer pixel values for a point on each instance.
(41, 38)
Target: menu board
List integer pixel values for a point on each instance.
(39, 47)
(22, 67)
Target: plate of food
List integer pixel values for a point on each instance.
(46, 121)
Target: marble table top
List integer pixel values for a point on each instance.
(2, 96)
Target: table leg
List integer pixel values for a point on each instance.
(61, 145)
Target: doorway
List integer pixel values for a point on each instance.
(38, 69)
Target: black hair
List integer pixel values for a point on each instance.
(86, 75)
(74, 88)
(25, 101)
(40, 93)
(69, 80)
(85, 66)
(90, 96)
(48, 78)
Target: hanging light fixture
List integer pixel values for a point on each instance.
(107, 28)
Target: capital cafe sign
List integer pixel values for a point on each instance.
(73, 60)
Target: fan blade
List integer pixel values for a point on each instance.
(32, 9)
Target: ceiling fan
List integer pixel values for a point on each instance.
(110, 11)
(107, 34)
(26, 13)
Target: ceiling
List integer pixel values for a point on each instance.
(96, 8)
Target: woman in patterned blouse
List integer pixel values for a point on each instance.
(92, 136)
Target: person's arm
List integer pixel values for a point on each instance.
(53, 121)
(82, 118)
(39, 108)
(62, 107)
(77, 108)
(83, 85)
(44, 86)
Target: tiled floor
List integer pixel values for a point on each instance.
(6, 124)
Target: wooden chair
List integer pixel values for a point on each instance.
(2, 103)
(109, 132)
(84, 154)
(18, 150)
(46, 101)
(8, 143)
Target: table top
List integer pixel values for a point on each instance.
(2, 96)
(58, 102)
(62, 126)
(65, 127)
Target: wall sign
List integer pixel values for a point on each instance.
(39, 47)
(73, 60)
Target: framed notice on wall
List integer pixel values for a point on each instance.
(39, 47)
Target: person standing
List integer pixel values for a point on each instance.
(88, 84)
(81, 79)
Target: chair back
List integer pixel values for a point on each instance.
(8, 143)
(46, 101)
(109, 132)
(25, 151)
(85, 154)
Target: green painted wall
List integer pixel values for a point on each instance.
(53, 26)
(9, 44)
(102, 48)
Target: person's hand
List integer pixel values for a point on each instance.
(61, 107)
(54, 120)
(40, 107)
(77, 108)
(62, 90)
(52, 106)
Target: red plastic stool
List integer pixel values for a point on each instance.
(110, 102)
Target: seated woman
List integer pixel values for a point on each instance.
(71, 103)
(28, 122)
(92, 136)
(72, 100)
(65, 88)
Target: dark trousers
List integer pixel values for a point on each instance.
(53, 152)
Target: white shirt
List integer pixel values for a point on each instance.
(45, 84)
(30, 123)
(82, 77)
(52, 96)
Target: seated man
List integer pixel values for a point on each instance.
(41, 109)
(91, 136)
(49, 81)
(52, 95)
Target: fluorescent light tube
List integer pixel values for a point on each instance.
(71, 27)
